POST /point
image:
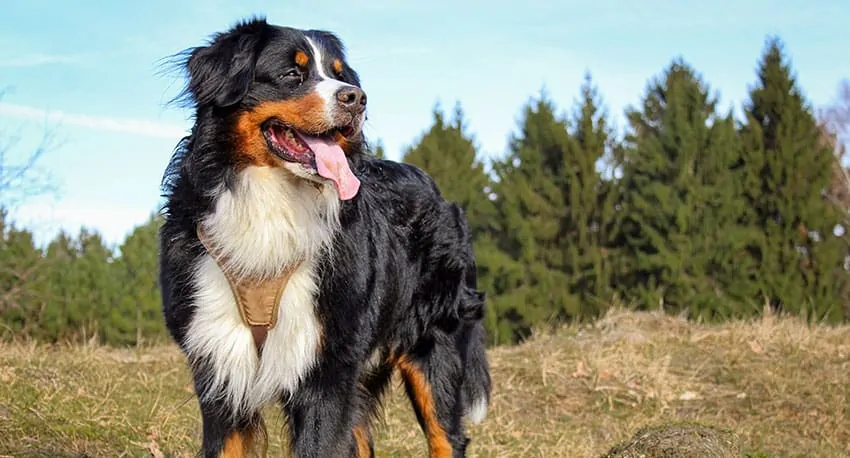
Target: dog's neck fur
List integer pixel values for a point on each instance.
(261, 232)
(269, 221)
(262, 225)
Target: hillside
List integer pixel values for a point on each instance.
(779, 384)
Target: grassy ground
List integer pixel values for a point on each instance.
(781, 386)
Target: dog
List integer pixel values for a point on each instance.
(297, 269)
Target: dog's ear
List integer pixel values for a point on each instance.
(222, 72)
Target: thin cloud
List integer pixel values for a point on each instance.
(38, 59)
(125, 125)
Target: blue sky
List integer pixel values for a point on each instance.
(88, 72)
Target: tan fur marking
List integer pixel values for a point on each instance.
(237, 445)
(251, 148)
(301, 58)
(347, 146)
(361, 437)
(337, 66)
(241, 444)
(438, 442)
(306, 114)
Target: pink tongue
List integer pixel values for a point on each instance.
(331, 164)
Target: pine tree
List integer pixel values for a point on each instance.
(65, 312)
(588, 202)
(678, 204)
(80, 290)
(721, 240)
(20, 269)
(834, 121)
(380, 150)
(787, 170)
(531, 284)
(99, 287)
(136, 272)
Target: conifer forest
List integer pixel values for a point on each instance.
(712, 214)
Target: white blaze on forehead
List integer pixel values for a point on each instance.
(327, 86)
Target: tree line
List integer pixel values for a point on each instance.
(690, 210)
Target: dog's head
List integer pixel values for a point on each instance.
(292, 99)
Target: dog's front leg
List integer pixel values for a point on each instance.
(321, 419)
(229, 434)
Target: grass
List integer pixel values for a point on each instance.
(781, 386)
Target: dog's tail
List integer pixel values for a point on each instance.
(476, 384)
(472, 307)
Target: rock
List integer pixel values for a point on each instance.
(679, 440)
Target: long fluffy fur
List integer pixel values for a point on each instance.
(387, 280)
(259, 240)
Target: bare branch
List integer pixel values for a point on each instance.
(10, 297)
(835, 117)
(834, 123)
(21, 178)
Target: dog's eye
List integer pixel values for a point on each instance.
(292, 75)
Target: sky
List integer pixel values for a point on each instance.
(89, 75)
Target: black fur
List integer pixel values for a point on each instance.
(407, 286)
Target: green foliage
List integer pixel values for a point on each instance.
(590, 203)
(705, 215)
(136, 272)
(786, 170)
(531, 284)
(21, 265)
(77, 289)
(680, 206)
(553, 258)
(380, 151)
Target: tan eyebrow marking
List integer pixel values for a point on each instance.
(301, 58)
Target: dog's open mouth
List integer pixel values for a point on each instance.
(319, 153)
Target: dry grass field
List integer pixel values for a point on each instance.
(781, 387)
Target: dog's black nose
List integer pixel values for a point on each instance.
(352, 98)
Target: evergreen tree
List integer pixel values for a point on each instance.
(80, 291)
(380, 151)
(721, 239)
(678, 204)
(20, 268)
(588, 202)
(787, 171)
(98, 286)
(531, 285)
(834, 121)
(64, 312)
(710, 217)
(137, 314)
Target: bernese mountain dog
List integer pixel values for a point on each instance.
(298, 269)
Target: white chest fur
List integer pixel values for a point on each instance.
(218, 333)
(267, 221)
